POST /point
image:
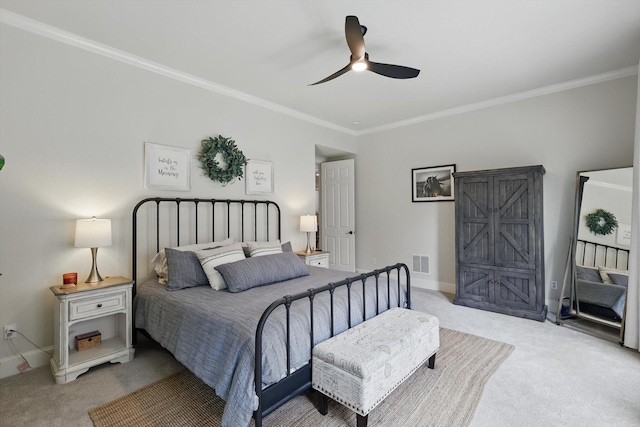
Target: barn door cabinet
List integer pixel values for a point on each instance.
(500, 241)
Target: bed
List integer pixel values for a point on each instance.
(253, 347)
(601, 280)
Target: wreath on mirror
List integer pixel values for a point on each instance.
(601, 222)
(221, 159)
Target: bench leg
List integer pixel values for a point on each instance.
(432, 362)
(362, 421)
(324, 404)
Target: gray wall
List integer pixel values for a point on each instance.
(73, 131)
(580, 129)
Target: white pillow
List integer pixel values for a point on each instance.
(211, 258)
(160, 260)
(264, 248)
(605, 277)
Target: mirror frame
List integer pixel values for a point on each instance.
(571, 270)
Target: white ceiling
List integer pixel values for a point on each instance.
(469, 52)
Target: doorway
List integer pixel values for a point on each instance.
(335, 206)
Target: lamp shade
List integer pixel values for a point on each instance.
(308, 223)
(93, 233)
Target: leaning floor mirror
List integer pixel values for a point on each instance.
(596, 278)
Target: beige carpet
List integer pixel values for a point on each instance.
(445, 396)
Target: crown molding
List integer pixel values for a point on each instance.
(603, 184)
(547, 90)
(57, 34)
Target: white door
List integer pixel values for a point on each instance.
(337, 220)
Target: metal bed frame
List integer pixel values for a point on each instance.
(610, 255)
(299, 381)
(196, 203)
(577, 257)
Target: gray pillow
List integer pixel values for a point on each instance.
(263, 270)
(286, 247)
(184, 270)
(619, 279)
(589, 274)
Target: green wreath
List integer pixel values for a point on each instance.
(601, 222)
(231, 156)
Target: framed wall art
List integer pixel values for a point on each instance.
(623, 235)
(259, 177)
(167, 168)
(433, 184)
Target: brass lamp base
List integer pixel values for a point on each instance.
(94, 276)
(308, 250)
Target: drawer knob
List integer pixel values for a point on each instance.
(99, 305)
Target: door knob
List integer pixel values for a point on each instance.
(350, 232)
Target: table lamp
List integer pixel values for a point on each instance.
(309, 224)
(93, 233)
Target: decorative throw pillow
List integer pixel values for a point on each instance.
(211, 258)
(605, 271)
(264, 248)
(588, 273)
(184, 270)
(286, 247)
(262, 270)
(160, 260)
(619, 279)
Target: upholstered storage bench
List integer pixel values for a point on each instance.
(361, 366)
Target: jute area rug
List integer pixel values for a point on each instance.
(444, 396)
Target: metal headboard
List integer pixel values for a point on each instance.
(203, 220)
(590, 254)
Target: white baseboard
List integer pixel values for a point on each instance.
(432, 285)
(450, 288)
(9, 365)
(418, 282)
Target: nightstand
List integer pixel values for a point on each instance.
(316, 258)
(103, 307)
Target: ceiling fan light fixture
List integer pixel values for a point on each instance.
(354, 33)
(359, 66)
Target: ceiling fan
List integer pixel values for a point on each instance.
(359, 60)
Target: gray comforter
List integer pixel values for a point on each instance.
(213, 332)
(603, 295)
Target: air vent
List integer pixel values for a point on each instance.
(421, 264)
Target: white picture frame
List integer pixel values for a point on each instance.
(259, 177)
(166, 167)
(623, 235)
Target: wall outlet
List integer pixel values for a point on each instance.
(7, 331)
(554, 284)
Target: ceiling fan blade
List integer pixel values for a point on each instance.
(393, 71)
(355, 39)
(334, 75)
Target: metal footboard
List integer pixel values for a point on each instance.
(299, 381)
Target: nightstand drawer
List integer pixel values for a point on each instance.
(315, 258)
(95, 306)
(319, 261)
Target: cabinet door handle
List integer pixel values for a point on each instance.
(99, 305)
